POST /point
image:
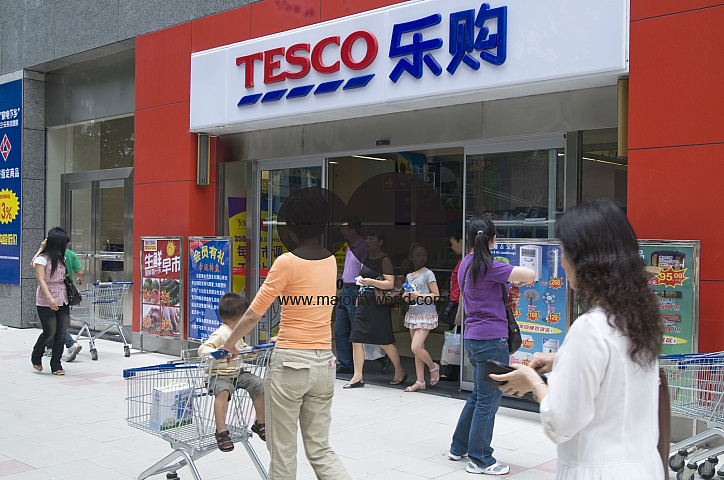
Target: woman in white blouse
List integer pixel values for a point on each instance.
(601, 401)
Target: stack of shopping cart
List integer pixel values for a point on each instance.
(696, 390)
(172, 401)
(102, 306)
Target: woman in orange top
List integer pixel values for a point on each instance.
(299, 384)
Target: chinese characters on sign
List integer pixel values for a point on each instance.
(463, 41)
(11, 96)
(209, 280)
(161, 286)
(541, 313)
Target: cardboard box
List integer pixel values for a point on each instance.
(171, 406)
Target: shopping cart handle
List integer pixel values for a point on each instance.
(219, 354)
(131, 372)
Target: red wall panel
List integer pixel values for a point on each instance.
(675, 86)
(163, 66)
(670, 195)
(711, 323)
(654, 8)
(165, 150)
(332, 9)
(273, 16)
(221, 29)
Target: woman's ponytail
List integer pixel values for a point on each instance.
(480, 233)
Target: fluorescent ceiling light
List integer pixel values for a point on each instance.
(605, 161)
(370, 158)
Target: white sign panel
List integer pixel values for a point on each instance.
(410, 56)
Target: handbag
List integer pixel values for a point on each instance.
(74, 297)
(515, 340)
(391, 296)
(449, 311)
(451, 349)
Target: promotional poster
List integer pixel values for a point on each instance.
(161, 286)
(11, 134)
(209, 280)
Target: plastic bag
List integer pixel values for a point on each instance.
(373, 352)
(451, 348)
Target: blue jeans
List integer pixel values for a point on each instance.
(474, 430)
(343, 326)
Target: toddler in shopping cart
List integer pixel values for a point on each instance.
(231, 308)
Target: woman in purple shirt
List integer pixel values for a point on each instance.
(485, 336)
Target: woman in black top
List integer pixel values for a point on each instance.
(372, 323)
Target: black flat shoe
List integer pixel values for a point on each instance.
(395, 382)
(358, 384)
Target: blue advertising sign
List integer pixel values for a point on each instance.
(541, 313)
(11, 133)
(209, 280)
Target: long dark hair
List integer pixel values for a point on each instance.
(601, 244)
(480, 232)
(55, 248)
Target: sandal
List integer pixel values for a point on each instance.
(223, 440)
(416, 386)
(397, 382)
(259, 429)
(59, 372)
(435, 379)
(38, 368)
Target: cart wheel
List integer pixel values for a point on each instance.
(172, 476)
(127, 351)
(676, 461)
(687, 473)
(708, 468)
(94, 354)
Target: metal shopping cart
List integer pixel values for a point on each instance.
(102, 305)
(172, 401)
(696, 390)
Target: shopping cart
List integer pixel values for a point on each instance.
(172, 401)
(696, 390)
(102, 305)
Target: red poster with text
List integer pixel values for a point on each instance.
(161, 287)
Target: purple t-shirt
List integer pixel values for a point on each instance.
(485, 317)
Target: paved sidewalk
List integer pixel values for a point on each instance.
(74, 427)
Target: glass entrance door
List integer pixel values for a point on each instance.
(275, 181)
(97, 212)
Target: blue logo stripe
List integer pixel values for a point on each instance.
(328, 87)
(298, 92)
(249, 100)
(358, 82)
(274, 96)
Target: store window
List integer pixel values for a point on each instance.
(603, 173)
(521, 191)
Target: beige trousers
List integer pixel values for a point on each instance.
(298, 387)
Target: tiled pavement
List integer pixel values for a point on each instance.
(74, 427)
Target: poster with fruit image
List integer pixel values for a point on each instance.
(161, 286)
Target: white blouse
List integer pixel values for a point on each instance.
(602, 408)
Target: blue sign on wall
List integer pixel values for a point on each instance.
(209, 280)
(11, 133)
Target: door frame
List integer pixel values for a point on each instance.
(120, 177)
(253, 219)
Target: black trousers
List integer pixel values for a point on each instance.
(55, 323)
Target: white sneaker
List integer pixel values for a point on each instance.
(453, 457)
(48, 352)
(73, 352)
(494, 469)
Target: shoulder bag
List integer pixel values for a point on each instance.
(74, 297)
(514, 338)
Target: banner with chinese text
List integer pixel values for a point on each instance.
(541, 313)
(161, 286)
(674, 266)
(11, 134)
(209, 280)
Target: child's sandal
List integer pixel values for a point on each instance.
(223, 440)
(259, 429)
(416, 386)
(435, 379)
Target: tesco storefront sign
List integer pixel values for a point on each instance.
(414, 55)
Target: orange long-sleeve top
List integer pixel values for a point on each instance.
(306, 288)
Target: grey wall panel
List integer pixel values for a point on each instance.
(33, 154)
(137, 17)
(12, 51)
(34, 203)
(81, 25)
(37, 36)
(210, 7)
(34, 104)
(10, 305)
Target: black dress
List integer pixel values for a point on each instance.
(372, 323)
